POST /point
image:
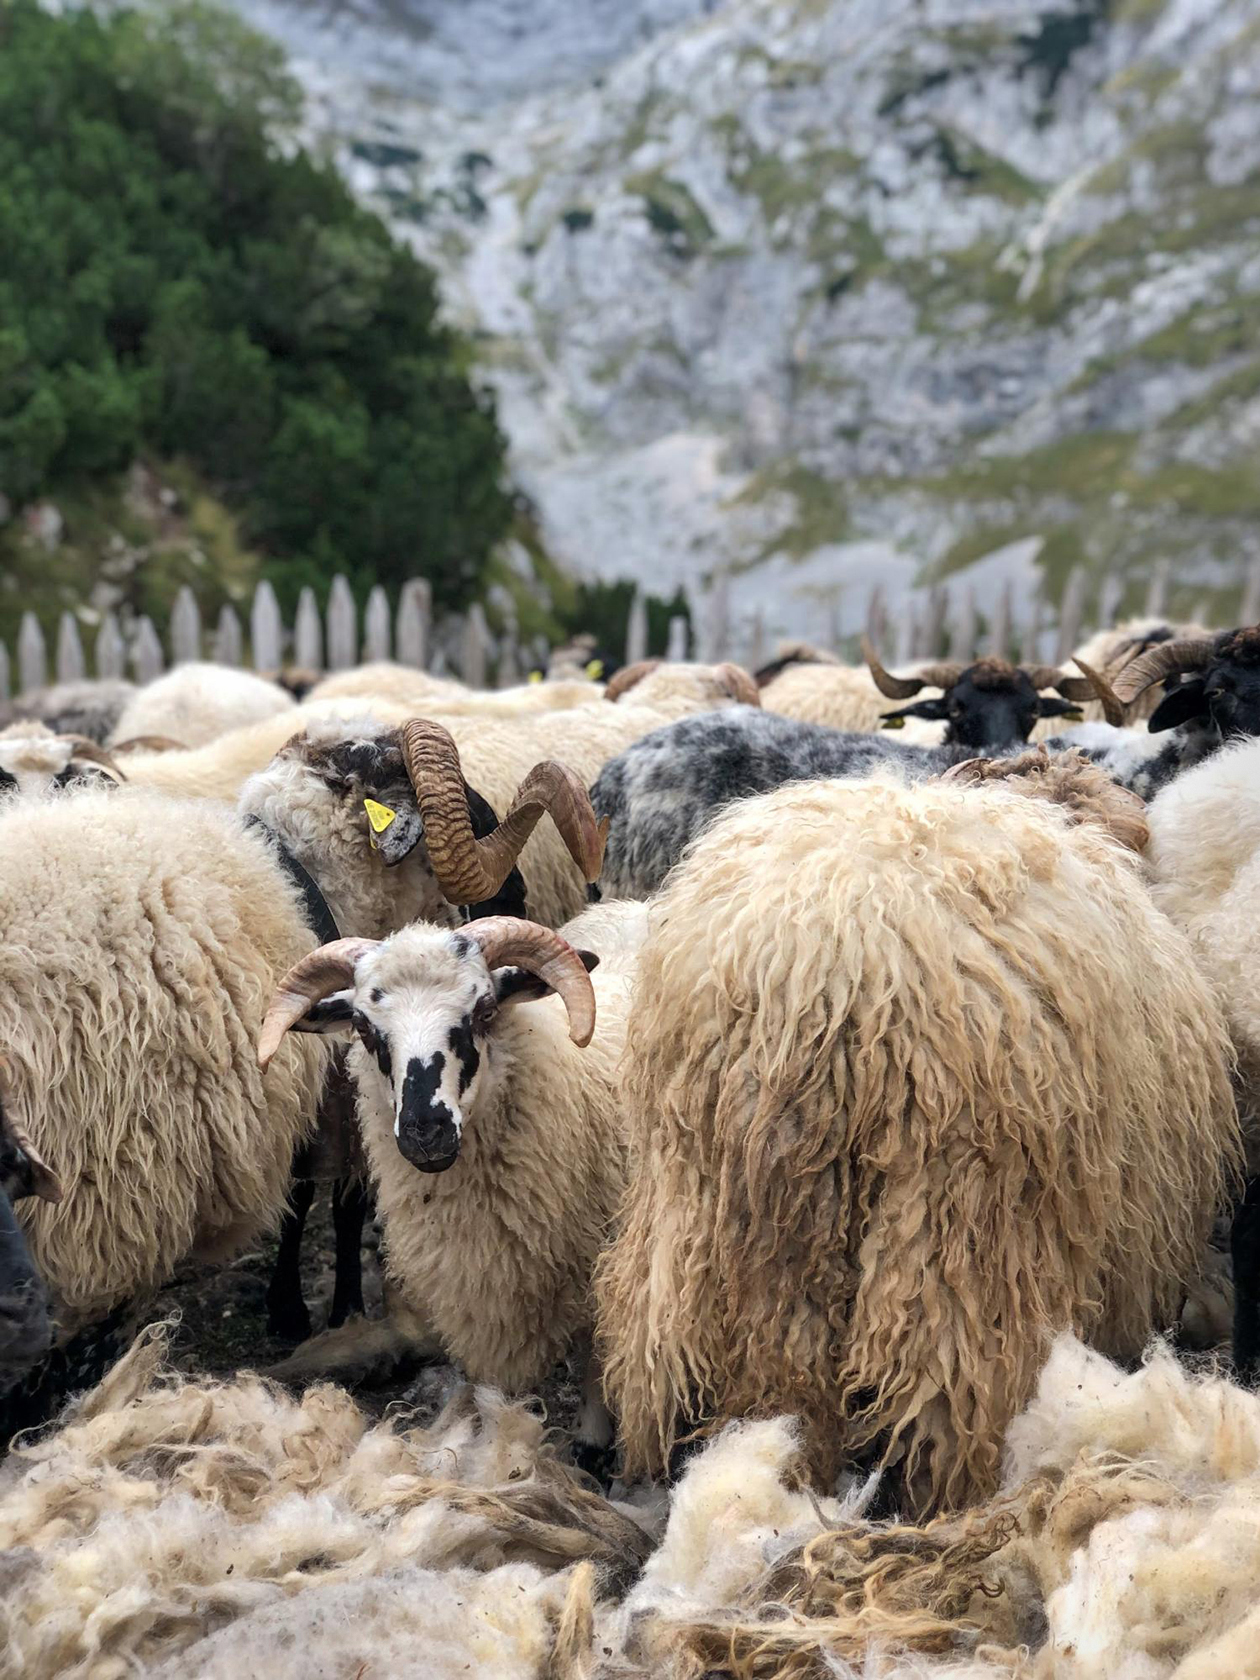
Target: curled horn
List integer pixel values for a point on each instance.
(44, 1182)
(1102, 691)
(92, 753)
(320, 973)
(1192, 653)
(738, 684)
(146, 743)
(628, 675)
(903, 688)
(508, 942)
(1049, 676)
(469, 870)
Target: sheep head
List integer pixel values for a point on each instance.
(424, 1003)
(989, 703)
(33, 760)
(1213, 681)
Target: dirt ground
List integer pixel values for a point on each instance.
(223, 1324)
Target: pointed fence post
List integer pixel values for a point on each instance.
(185, 628)
(308, 633)
(413, 624)
(229, 642)
(266, 632)
(474, 647)
(1109, 598)
(962, 636)
(719, 616)
(1249, 612)
(111, 651)
(907, 637)
(999, 640)
(32, 657)
(377, 641)
(1157, 592)
(676, 647)
(4, 673)
(876, 618)
(934, 622)
(755, 648)
(343, 640)
(71, 665)
(637, 629)
(1071, 611)
(147, 660)
(509, 673)
(1030, 641)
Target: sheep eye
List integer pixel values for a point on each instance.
(377, 994)
(483, 1013)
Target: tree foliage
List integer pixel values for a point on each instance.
(179, 278)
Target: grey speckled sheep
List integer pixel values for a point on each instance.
(663, 790)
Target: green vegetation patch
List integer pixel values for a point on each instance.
(821, 516)
(179, 281)
(672, 211)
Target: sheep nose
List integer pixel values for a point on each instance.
(427, 1128)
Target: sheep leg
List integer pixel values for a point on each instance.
(351, 1202)
(288, 1316)
(1244, 1243)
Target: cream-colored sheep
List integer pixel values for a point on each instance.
(426, 694)
(915, 1075)
(196, 703)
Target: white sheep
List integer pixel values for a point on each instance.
(197, 702)
(35, 761)
(493, 1133)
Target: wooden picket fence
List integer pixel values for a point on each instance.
(940, 621)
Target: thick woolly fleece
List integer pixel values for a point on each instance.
(496, 1253)
(916, 1077)
(196, 703)
(189, 1528)
(1204, 860)
(140, 940)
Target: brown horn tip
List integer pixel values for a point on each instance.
(739, 684)
(896, 688)
(554, 788)
(1102, 691)
(320, 973)
(628, 676)
(507, 941)
(1166, 660)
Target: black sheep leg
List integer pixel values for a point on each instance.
(1244, 1243)
(288, 1316)
(351, 1203)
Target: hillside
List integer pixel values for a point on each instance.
(834, 290)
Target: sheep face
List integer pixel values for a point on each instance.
(1227, 695)
(992, 704)
(425, 1004)
(34, 761)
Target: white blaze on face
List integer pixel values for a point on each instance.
(418, 992)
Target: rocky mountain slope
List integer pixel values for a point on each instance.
(835, 291)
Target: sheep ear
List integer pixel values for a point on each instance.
(934, 710)
(1180, 705)
(394, 831)
(516, 985)
(1054, 705)
(332, 1016)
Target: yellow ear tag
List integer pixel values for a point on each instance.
(534, 676)
(595, 669)
(1074, 716)
(380, 816)
(892, 723)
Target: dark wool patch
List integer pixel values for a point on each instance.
(465, 1052)
(420, 1091)
(989, 674)
(1242, 647)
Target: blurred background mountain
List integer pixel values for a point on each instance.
(825, 292)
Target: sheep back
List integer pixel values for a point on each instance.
(916, 1075)
(140, 940)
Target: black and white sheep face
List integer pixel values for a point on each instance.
(32, 765)
(322, 783)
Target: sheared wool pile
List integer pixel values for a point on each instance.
(165, 1512)
(177, 1530)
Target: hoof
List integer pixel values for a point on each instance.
(289, 1324)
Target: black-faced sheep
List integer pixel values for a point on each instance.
(511, 1115)
(916, 1075)
(140, 939)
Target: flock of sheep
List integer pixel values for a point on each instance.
(798, 1082)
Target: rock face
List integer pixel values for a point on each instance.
(838, 291)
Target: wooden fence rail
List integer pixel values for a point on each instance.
(934, 621)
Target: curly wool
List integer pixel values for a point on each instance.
(196, 703)
(916, 1076)
(1068, 779)
(172, 1526)
(139, 943)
